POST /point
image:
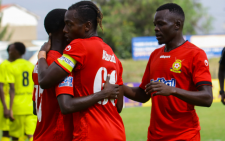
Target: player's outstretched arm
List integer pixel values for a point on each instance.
(119, 103)
(136, 94)
(2, 97)
(202, 97)
(68, 104)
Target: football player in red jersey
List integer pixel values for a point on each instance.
(176, 79)
(95, 112)
(52, 124)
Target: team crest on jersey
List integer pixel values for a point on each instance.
(171, 82)
(176, 67)
(68, 81)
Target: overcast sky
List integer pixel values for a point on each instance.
(216, 8)
(41, 8)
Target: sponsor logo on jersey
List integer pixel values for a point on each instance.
(107, 57)
(66, 60)
(68, 81)
(206, 62)
(171, 82)
(162, 56)
(68, 48)
(176, 67)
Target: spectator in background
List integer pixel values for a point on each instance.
(221, 75)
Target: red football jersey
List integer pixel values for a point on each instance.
(52, 125)
(94, 60)
(185, 67)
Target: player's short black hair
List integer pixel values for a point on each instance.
(88, 11)
(20, 47)
(8, 47)
(54, 20)
(174, 8)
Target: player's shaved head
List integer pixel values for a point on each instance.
(88, 11)
(173, 8)
(54, 20)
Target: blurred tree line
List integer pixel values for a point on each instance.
(125, 19)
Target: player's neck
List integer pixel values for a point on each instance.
(58, 44)
(176, 42)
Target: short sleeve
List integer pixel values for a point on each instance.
(74, 54)
(200, 70)
(120, 73)
(1, 75)
(222, 58)
(65, 87)
(10, 75)
(146, 76)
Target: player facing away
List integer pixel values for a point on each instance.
(176, 78)
(95, 116)
(52, 125)
(6, 87)
(24, 122)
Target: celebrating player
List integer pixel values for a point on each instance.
(6, 87)
(24, 122)
(176, 82)
(96, 115)
(52, 125)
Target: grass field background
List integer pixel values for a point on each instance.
(136, 121)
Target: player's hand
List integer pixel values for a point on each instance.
(223, 98)
(47, 45)
(6, 113)
(11, 115)
(111, 91)
(158, 88)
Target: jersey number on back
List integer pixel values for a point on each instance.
(38, 95)
(25, 78)
(99, 81)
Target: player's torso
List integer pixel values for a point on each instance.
(51, 122)
(103, 116)
(173, 68)
(23, 85)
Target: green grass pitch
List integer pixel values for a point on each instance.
(212, 121)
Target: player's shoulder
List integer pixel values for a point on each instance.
(5, 63)
(192, 48)
(158, 50)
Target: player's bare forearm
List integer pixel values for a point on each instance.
(2, 96)
(68, 104)
(202, 97)
(119, 104)
(221, 76)
(49, 76)
(12, 94)
(136, 94)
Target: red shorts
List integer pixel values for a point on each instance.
(196, 137)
